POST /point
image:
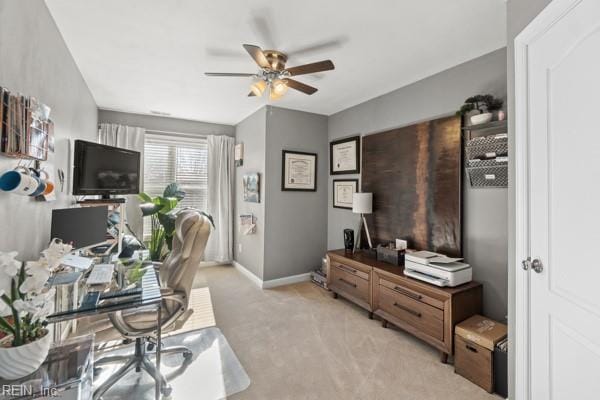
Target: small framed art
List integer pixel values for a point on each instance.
(343, 191)
(344, 156)
(299, 171)
(251, 183)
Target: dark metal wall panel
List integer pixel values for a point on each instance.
(414, 174)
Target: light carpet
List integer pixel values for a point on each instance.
(298, 343)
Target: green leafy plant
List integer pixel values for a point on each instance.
(161, 210)
(482, 103)
(135, 272)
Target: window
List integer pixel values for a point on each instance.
(176, 158)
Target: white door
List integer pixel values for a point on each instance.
(563, 152)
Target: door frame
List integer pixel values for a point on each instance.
(540, 24)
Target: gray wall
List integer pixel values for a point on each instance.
(519, 14)
(252, 133)
(155, 122)
(485, 210)
(296, 222)
(36, 62)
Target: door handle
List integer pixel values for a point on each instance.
(535, 264)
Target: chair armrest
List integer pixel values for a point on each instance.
(155, 264)
(127, 330)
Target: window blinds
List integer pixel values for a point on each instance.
(176, 158)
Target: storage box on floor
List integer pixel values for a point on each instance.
(474, 342)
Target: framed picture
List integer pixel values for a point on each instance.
(238, 155)
(343, 191)
(251, 182)
(344, 156)
(299, 171)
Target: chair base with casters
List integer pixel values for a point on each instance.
(139, 360)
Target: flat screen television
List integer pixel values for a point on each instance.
(105, 170)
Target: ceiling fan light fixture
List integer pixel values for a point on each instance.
(279, 87)
(258, 87)
(274, 96)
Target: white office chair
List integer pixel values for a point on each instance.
(176, 274)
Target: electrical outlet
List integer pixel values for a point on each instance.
(239, 247)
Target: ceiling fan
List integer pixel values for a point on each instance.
(273, 74)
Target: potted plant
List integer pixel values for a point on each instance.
(162, 213)
(486, 104)
(25, 302)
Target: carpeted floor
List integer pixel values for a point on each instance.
(297, 342)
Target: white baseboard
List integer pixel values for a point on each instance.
(255, 279)
(212, 263)
(288, 280)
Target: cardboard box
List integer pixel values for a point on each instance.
(482, 331)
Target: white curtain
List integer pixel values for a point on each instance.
(220, 197)
(131, 138)
(126, 137)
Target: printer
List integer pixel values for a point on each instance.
(437, 269)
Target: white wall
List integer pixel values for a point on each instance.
(36, 62)
(484, 210)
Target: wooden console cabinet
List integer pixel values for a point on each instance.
(426, 311)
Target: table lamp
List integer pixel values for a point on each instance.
(362, 203)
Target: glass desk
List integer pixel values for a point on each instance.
(66, 374)
(149, 295)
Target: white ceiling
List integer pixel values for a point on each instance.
(143, 55)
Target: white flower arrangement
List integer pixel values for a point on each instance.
(25, 301)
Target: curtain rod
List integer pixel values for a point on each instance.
(186, 134)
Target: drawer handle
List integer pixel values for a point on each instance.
(347, 283)
(471, 348)
(347, 269)
(408, 310)
(407, 293)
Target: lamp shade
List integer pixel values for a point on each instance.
(362, 203)
(258, 87)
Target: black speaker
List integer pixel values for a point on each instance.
(349, 240)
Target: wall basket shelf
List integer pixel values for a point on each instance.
(486, 154)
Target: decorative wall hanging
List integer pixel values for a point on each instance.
(251, 182)
(343, 190)
(299, 171)
(344, 156)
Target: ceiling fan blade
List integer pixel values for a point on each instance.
(330, 44)
(302, 87)
(228, 74)
(320, 66)
(257, 54)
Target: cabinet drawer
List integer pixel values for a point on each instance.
(348, 283)
(421, 316)
(473, 362)
(413, 294)
(351, 269)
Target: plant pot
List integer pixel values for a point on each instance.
(17, 362)
(484, 118)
